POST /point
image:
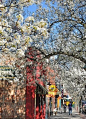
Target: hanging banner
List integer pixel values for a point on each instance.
(53, 88)
(52, 91)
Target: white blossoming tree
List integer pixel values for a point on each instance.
(58, 28)
(18, 32)
(67, 42)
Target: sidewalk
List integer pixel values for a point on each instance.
(75, 115)
(83, 116)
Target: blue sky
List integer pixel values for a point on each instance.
(34, 7)
(31, 8)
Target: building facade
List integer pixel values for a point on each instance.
(35, 88)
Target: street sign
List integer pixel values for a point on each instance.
(53, 88)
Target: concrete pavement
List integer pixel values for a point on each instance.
(75, 115)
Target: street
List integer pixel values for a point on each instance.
(75, 115)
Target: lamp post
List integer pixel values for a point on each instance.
(50, 105)
(2, 100)
(49, 98)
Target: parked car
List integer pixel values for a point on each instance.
(84, 108)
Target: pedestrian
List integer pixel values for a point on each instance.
(70, 108)
(64, 108)
(55, 111)
(61, 110)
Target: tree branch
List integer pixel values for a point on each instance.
(68, 54)
(5, 26)
(82, 6)
(75, 19)
(15, 4)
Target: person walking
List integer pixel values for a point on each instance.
(64, 108)
(55, 111)
(70, 108)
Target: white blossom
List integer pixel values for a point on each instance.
(27, 39)
(4, 23)
(20, 17)
(30, 18)
(2, 8)
(19, 53)
(1, 30)
(2, 42)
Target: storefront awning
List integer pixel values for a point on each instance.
(42, 91)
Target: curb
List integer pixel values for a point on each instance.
(82, 116)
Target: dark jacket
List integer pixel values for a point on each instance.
(70, 106)
(64, 105)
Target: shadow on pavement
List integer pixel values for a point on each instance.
(65, 116)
